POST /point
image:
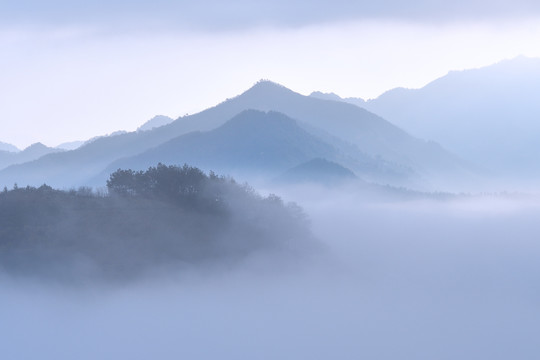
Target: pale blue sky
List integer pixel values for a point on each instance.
(72, 70)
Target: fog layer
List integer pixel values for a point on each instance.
(398, 280)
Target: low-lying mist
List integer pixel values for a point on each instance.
(415, 278)
(165, 219)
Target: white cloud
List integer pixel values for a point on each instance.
(238, 14)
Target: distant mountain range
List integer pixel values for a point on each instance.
(489, 116)
(8, 147)
(33, 152)
(255, 142)
(252, 141)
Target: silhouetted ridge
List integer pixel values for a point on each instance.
(155, 122)
(487, 115)
(8, 147)
(364, 137)
(334, 97)
(265, 95)
(32, 152)
(325, 96)
(267, 86)
(36, 148)
(253, 141)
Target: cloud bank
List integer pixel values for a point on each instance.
(238, 14)
(425, 280)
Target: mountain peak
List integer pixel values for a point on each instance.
(36, 145)
(156, 121)
(269, 83)
(38, 149)
(268, 87)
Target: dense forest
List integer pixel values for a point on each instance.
(161, 218)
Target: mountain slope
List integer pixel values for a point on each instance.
(77, 167)
(33, 152)
(488, 115)
(368, 133)
(253, 143)
(318, 171)
(8, 147)
(332, 96)
(156, 121)
(70, 145)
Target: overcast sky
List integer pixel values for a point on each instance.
(72, 70)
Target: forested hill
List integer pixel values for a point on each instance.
(165, 217)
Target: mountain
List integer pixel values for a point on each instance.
(73, 145)
(70, 145)
(8, 147)
(332, 96)
(489, 115)
(366, 131)
(251, 141)
(362, 131)
(253, 144)
(156, 121)
(370, 133)
(318, 171)
(33, 152)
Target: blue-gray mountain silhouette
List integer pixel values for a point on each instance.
(254, 143)
(335, 97)
(71, 145)
(155, 122)
(8, 147)
(33, 152)
(362, 131)
(489, 116)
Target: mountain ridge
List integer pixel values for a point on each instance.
(487, 115)
(156, 121)
(31, 153)
(8, 147)
(369, 133)
(251, 143)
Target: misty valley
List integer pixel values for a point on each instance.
(276, 225)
